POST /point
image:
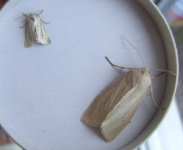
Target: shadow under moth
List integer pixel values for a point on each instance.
(35, 32)
(112, 110)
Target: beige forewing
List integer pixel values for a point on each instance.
(35, 31)
(114, 107)
(117, 119)
(107, 99)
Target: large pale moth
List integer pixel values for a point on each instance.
(35, 31)
(114, 107)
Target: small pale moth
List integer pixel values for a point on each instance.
(35, 32)
(114, 107)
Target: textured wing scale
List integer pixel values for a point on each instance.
(113, 108)
(29, 37)
(40, 32)
(35, 31)
(119, 117)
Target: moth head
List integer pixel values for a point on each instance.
(144, 70)
(32, 17)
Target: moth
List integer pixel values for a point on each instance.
(112, 110)
(35, 32)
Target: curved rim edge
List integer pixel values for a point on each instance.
(146, 4)
(159, 21)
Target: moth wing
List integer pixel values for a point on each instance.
(118, 118)
(29, 37)
(121, 115)
(114, 108)
(106, 100)
(41, 34)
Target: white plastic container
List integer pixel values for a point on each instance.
(48, 116)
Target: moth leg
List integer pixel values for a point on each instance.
(166, 71)
(44, 21)
(157, 75)
(22, 26)
(113, 65)
(25, 15)
(153, 99)
(149, 91)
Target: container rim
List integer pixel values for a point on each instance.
(166, 35)
(172, 64)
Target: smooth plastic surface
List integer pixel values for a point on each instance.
(45, 89)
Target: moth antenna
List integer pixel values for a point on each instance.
(163, 70)
(134, 49)
(23, 15)
(41, 11)
(113, 65)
